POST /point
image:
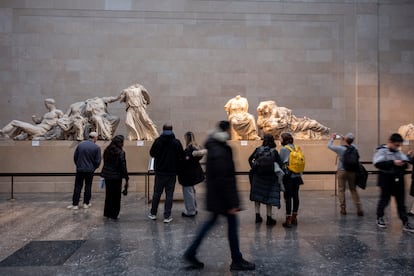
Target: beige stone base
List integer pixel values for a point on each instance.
(57, 157)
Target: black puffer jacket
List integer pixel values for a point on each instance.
(168, 153)
(220, 176)
(264, 188)
(115, 167)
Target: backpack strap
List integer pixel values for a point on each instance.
(291, 149)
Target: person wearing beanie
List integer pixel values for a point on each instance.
(222, 198)
(167, 152)
(345, 176)
(87, 158)
(392, 164)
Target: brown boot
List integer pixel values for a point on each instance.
(294, 218)
(360, 213)
(288, 222)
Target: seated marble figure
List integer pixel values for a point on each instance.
(19, 130)
(407, 131)
(273, 119)
(242, 124)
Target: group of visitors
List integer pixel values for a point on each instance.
(271, 173)
(391, 163)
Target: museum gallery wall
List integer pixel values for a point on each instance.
(347, 66)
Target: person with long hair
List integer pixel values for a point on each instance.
(113, 171)
(291, 181)
(191, 173)
(265, 186)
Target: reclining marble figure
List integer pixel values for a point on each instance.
(275, 120)
(19, 130)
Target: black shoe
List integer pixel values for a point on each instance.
(270, 221)
(258, 218)
(242, 265)
(188, 216)
(193, 261)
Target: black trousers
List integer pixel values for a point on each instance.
(113, 189)
(162, 182)
(291, 193)
(79, 179)
(395, 189)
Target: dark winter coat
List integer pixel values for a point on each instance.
(264, 188)
(190, 172)
(222, 193)
(168, 153)
(384, 161)
(115, 168)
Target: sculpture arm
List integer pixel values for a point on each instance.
(111, 99)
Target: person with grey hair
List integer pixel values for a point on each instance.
(345, 175)
(87, 158)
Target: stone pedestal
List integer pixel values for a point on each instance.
(57, 157)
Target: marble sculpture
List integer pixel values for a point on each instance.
(275, 119)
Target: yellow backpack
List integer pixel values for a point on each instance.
(296, 159)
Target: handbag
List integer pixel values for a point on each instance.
(361, 177)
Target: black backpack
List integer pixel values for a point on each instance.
(350, 159)
(264, 161)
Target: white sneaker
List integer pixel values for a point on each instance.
(168, 220)
(153, 217)
(86, 206)
(73, 207)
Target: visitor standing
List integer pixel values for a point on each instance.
(168, 153)
(392, 164)
(191, 173)
(265, 186)
(87, 158)
(291, 180)
(346, 172)
(222, 197)
(113, 171)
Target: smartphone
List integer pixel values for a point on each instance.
(338, 136)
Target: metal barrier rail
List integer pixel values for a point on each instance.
(147, 176)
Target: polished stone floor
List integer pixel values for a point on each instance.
(40, 237)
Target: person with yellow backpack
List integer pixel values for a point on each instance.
(293, 162)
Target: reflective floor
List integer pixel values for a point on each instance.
(39, 236)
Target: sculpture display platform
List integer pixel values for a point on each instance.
(57, 157)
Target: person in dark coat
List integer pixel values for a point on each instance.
(222, 197)
(411, 156)
(191, 173)
(113, 171)
(265, 188)
(87, 158)
(168, 153)
(392, 164)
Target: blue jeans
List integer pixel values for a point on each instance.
(232, 233)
